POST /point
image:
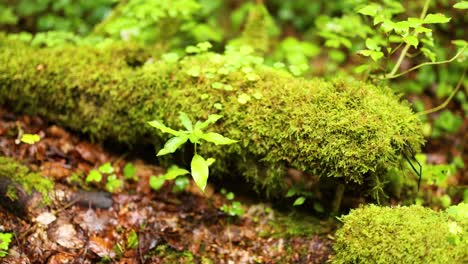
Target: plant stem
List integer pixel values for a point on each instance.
(445, 103)
(407, 46)
(427, 63)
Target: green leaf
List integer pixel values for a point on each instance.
(210, 161)
(172, 145)
(217, 139)
(185, 120)
(192, 49)
(460, 42)
(372, 44)
(204, 46)
(211, 120)
(217, 85)
(230, 196)
(174, 172)
(94, 176)
(106, 168)
(113, 183)
(159, 125)
(132, 240)
(30, 138)
(461, 5)
(299, 201)
(243, 98)
(5, 240)
(411, 40)
(180, 184)
(429, 54)
(375, 55)
(369, 10)
(156, 182)
(436, 18)
(200, 171)
(129, 171)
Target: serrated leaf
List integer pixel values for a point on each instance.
(411, 40)
(461, 5)
(217, 139)
(94, 176)
(106, 168)
(30, 138)
(174, 172)
(211, 120)
(369, 10)
(159, 125)
(156, 182)
(199, 171)
(436, 18)
(185, 120)
(129, 171)
(172, 145)
(299, 201)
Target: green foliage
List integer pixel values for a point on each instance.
(132, 240)
(446, 122)
(234, 208)
(113, 183)
(173, 173)
(73, 16)
(5, 240)
(414, 234)
(194, 133)
(30, 138)
(129, 172)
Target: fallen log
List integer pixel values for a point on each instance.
(346, 130)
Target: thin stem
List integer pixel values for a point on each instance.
(407, 46)
(445, 103)
(427, 63)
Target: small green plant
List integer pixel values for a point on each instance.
(194, 134)
(129, 172)
(30, 138)
(173, 173)
(301, 196)
(235, 208)
(113, 183)
(132, 240)
(5, 240)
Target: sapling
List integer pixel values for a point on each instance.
(195, 134)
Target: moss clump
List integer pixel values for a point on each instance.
(412, 234)
(342, 129)
(18, 173)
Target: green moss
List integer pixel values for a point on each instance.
(170, 255)
(412, 234)
(297, 224)
(9, 168)
(347, 130)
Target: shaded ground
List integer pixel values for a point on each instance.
(142, 225)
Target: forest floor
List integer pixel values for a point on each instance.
(138, 224)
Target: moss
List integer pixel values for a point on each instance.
(11, 169)
(170, 255)
(297, 224)
(343, 129)
(412, 234)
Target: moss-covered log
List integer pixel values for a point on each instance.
(342, 129)
(412, 234)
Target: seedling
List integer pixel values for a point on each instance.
(235, 208)
(194, 134)
(113, 183)
(5, 240)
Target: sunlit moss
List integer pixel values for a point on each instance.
(412, 234)
(348, 130)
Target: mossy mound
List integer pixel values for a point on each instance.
(412, 234)
(342, 129)
(17, 173)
